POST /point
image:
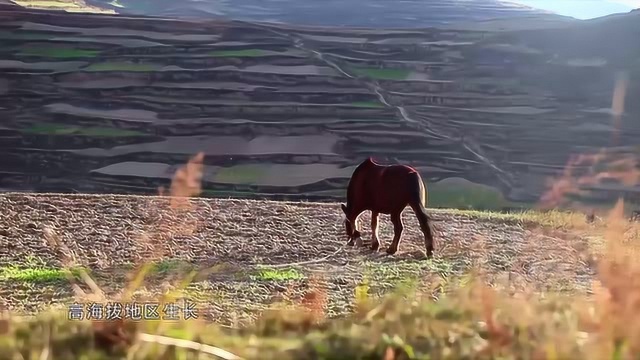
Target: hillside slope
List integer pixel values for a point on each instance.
(259, 251)
(331, 13)
(101, 103)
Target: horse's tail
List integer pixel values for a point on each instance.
(421, 188)
(419, 207)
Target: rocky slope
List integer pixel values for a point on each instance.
(113, 104)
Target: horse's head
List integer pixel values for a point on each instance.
(349, 223)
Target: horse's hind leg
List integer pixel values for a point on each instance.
(375, 243)
(396, 219)
(423, 219)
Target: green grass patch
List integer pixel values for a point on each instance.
(61, 129)
(168, 266)
(403, 275)
(238, 53)
(241, 174)
(381, 74)
(554, 219)
(58, 52)
(367, 104)
(463, 194)
(269, 274)
(35, 274)
(122, 66)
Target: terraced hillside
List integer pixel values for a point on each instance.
(358, 13)
(102, 103)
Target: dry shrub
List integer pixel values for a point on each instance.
(119, 336)
(175, 213)
(614, 318)
(315, 299)
(586, 170)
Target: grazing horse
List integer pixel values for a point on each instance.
(386, 189)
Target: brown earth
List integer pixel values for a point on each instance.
(110, 235)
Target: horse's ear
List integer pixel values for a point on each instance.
(344, 208)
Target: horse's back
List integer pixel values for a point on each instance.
(392, 187)
(384, 188)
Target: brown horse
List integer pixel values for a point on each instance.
(386, 189)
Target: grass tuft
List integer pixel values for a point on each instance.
(38, 275)
(278, 274)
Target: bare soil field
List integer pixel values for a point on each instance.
(262, 252)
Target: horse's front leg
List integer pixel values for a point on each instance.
(356, 233)
(396, 219)
(375, 243)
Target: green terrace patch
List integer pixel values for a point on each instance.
(36, 274)
(61, 129)
(57, 52)
(462, 194)
(271, 274)
(240, 174)
(122, 66)
(367, 104)
(381, 74)
(238, 53)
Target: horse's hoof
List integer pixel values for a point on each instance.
(359, 242)
(350, 243)
(391, 251)
(429, 253)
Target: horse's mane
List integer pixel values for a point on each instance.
(356, 173)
